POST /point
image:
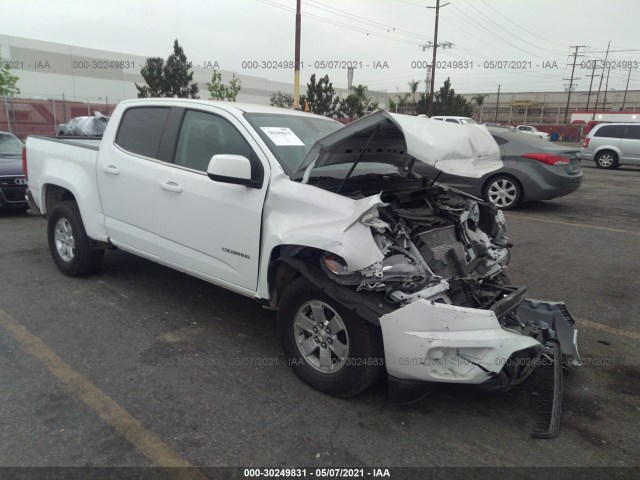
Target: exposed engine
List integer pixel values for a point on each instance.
(438, 245)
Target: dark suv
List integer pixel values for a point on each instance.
(13, 183)
(613, 144)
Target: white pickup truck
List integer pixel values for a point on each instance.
(371, 267)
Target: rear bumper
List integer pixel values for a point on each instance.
(12, 194)
(551, 182)
(586, 155)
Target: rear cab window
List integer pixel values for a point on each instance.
(141, 130)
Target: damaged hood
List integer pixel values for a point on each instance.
(465, 150)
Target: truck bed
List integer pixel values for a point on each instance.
(84, 142)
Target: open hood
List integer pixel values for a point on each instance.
(465, 150)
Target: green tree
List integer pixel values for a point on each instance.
(320, 96)
(281, 99)
(168, 79)
(446, 102)
(413, 86)
(220, 91)
(7, 81)
(356, 104)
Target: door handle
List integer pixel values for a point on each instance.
(171, 186)
(112, 169)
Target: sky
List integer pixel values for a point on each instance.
(521, 45)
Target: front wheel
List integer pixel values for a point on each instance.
(504, 192)
(328, 346)
(69, 244)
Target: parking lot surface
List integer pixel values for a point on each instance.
(141, 365)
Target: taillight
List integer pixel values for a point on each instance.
(586, 142)
(547, 158)
(24, 162)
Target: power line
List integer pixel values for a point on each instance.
(336, 23)
(536, 35)
(490, 20)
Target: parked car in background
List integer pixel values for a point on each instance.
(499, 125)
(533, 131)
(533, 169)
(13, 184)
(613, 144)
(454, 119)
(84, 126)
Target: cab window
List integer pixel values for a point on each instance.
(204, 135)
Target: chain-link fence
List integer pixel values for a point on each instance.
(42, 116)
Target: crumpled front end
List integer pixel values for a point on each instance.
(456, 318)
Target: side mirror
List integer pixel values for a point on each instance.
(234, 169)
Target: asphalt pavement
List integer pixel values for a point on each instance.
(141, 365)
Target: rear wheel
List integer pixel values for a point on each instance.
(69, 244)
(328, 346)
(504, 192)
(607, 159)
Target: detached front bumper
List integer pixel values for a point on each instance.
(434, 342)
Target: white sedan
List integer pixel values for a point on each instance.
(532, 131)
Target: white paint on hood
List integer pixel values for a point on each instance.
(466, 150)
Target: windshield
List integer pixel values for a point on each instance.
(289, 137)
(10, 145)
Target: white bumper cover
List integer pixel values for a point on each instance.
(437, 342)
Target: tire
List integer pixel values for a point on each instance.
(343, 362)
(607, 160)
(504, 192)
(69, 245)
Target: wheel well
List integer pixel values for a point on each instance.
(281, 273)
(605, 150)
(54, 195)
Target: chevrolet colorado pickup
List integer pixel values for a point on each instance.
(372, 268)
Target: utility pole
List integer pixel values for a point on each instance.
(624, 99)
(296, 74)
(606, 88)
(573, 69)
(604, 64)
(593, 74)
(495, 120)
(435, 49)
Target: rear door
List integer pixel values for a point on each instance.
(630, 145)
(129, 172)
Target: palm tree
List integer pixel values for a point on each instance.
(360, 92)
(479, 99)
(413, 86)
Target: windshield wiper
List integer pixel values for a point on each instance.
(355, 164)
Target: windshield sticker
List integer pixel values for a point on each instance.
(282, 136)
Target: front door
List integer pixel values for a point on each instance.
(210, 227)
